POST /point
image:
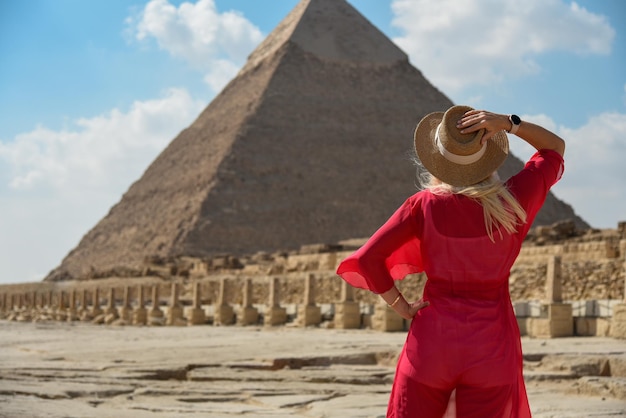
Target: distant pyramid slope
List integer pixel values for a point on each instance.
(310, 143)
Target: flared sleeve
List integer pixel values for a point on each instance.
(391, 253)
(532, 184)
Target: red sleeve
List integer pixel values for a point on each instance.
(531, 185)
(390, 254)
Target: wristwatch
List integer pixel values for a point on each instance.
(515, 122)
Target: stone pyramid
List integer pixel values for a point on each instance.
(310, 143)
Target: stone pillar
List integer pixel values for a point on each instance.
(42, 302)
(196, 316)
(274, 315)
(347, 311)
(140, 315)
(554, 289)
(175, 312)
(5, 309)
(20, 302)
(49, 305)
(23, 312)
(249, 315)
(125, 310)
(72, 314)
(618, 320)
(95, 304)
(309, 314)
(155, 315)
(33, 301)
(110, 312)
(556, 318)
(5, 304)
(61, 313)
(83, 304)
(386, 319)
(11, 302)
(3, 301)
(224, 313)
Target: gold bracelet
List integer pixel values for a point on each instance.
(392, 304)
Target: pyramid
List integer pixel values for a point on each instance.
(311, 142)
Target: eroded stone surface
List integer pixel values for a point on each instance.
(58, 370)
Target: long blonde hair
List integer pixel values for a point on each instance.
(500, 208)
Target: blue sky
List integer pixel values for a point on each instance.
(92, 91)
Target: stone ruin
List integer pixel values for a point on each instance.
(565, 282)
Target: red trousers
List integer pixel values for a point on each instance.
(411, 399)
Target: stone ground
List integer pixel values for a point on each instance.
(62, 370)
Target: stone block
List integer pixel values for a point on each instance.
(224, 315)
(175, 316)
(61, 314)
(604, 307)
(111, 311)
(386, 319)
(156, 320)
(603, 327)
(95, 311)
(591, 327)
(275, 315)
(585, 326)
(522, 309)
(72, 315)
(309, 315)
(347, 315)
(126, 313)
(556, 321)
(140, 316)
(110, 318)
(522, 323)
(618, 322)
(248, 315)
(583, 308)
(196, 316)
(560, 311)
(536, 308)
(155, 313)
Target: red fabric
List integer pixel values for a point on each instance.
(467, 339)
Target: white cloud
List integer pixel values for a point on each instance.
(594, 166)
(215, 43)
(57, 184)
(57, 159)
(478, 42)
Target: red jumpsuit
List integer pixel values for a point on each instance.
(467, 340)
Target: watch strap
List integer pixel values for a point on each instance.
(515, 122)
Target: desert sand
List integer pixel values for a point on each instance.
(83, 370)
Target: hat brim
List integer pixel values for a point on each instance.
(452, 173)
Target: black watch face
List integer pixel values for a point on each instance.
(516, 119)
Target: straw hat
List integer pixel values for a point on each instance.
(455, 158)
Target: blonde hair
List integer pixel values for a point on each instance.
(500, 208)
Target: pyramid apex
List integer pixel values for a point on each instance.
(331, 30)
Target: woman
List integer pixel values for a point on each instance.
(464, 230)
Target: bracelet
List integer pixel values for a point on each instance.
(392, 304)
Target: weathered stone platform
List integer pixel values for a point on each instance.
(76, 369)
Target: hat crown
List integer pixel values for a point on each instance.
(455, 158)
(451, 138)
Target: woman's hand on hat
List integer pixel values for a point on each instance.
(475, 120)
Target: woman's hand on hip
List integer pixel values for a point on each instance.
(414, 308)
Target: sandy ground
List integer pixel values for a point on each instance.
(84, 370)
